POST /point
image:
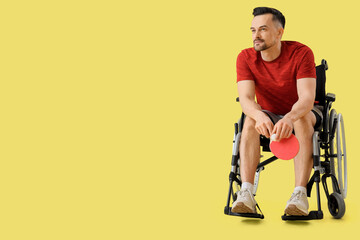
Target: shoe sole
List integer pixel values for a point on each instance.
(242, 208)
(294, 211)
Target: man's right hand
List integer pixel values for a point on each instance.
(264, 125)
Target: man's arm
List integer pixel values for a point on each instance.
(306, 88)
(246, 89)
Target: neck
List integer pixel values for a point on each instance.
(271, 53)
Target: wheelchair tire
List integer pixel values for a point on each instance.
(336, 205)
(338, 160)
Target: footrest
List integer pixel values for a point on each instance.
(228, 211)
(312, 215)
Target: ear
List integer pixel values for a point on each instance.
(280, 32)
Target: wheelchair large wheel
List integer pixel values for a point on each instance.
(338, 159)
(336, 205)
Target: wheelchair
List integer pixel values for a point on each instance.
(329, 158)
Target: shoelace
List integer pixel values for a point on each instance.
(296, 195)
(242, 192)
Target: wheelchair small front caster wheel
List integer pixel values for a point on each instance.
(336, 205)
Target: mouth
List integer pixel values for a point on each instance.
(257, 41)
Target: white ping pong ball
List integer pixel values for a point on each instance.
(273, 137)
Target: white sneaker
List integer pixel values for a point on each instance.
(245, 202)
(298, 204)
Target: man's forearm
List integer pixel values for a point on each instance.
(250, 108)
(246, 91)
(300, 109)
(306, 92)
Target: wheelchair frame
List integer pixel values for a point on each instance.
(323, 139)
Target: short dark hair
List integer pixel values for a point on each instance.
(277, 15)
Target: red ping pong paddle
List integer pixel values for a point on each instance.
(286, 148)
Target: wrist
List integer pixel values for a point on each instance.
(289, 117)
(259, 114)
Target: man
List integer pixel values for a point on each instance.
(282, 76)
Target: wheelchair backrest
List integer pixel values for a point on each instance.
(320, 83)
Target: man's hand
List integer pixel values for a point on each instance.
(264, 125)
(283, 128)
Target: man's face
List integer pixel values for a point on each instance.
(265, 32)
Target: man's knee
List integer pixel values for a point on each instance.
(249, 132)
(249, 124)
(307, 121)
(249, 135)
(305, 125)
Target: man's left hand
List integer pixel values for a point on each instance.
(283, 128)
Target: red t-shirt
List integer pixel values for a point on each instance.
(275, 81)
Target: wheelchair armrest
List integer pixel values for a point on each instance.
(330, 97)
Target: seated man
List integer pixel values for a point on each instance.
(282, 75)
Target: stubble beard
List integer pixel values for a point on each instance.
(260, 47)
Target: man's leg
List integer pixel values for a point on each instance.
(249, 156)
(249, 151)
(303, 162)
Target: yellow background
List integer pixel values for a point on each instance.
(117, 117)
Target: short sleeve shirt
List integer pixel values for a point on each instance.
(275, 81)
